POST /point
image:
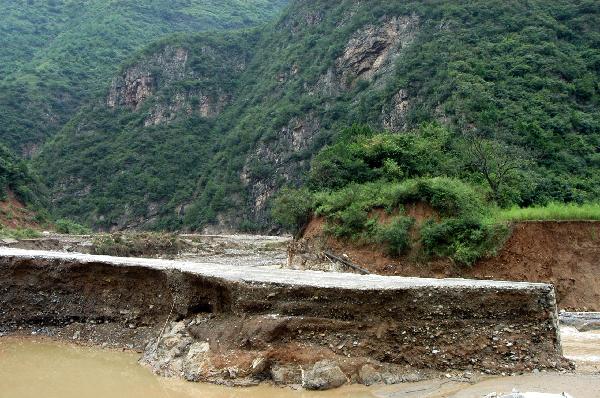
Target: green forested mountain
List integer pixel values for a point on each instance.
(56, 54)
(204, 129)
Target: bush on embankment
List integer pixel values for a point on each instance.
(376, 213)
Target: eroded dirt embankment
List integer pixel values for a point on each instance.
(242, 326)
(563, 253)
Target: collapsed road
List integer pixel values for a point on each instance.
(239, 325)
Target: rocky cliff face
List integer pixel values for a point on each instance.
(140, 81)
(368, 56)
(275, 162)
(371, 51)
(162, 70)
(248, 110)
(187, 103)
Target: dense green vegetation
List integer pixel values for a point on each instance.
(365, 185)
(367, 174)
(69, 227)
(55, 55)
(20, 187)
(16, 176)
(504, 97)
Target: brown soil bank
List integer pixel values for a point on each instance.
(563, 253)
(244, 325)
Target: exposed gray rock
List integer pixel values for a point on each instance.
(138, 82)
(582, 321)
(394, 116)
(368, 375)
(277, 157)
(529, 395)
(259, 366)
(324, 375)
(369, 52)
(286, 374)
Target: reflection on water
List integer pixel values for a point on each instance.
(41, 368)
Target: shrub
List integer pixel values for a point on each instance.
(137, 244)
(69, 227)
(361, 155)
(349, 222)
(449, 196)
(395, 235)
(292, 208)
(463, 240)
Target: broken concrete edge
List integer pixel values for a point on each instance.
(232, 326)
(582, 321)
(316, 279)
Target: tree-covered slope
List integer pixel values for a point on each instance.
(205, 129)
(18, 182)
(56, 54)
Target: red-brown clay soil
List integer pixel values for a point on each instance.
(13, 214)
(564, 253)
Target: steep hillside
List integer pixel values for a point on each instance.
(203, 130)
(56, 54)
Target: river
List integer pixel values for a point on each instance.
(37, 367)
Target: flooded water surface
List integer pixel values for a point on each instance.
(42, 368)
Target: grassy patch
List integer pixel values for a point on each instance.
(20, 233)
(137, 245)
(71, 228)
(551, 212)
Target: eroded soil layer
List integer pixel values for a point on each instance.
(222, 324)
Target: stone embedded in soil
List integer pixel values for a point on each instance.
(324, 375)
(368, 375)
(286, 374)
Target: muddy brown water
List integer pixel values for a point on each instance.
(35, 367)
(42, 368)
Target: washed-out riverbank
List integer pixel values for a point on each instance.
(243, 326)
